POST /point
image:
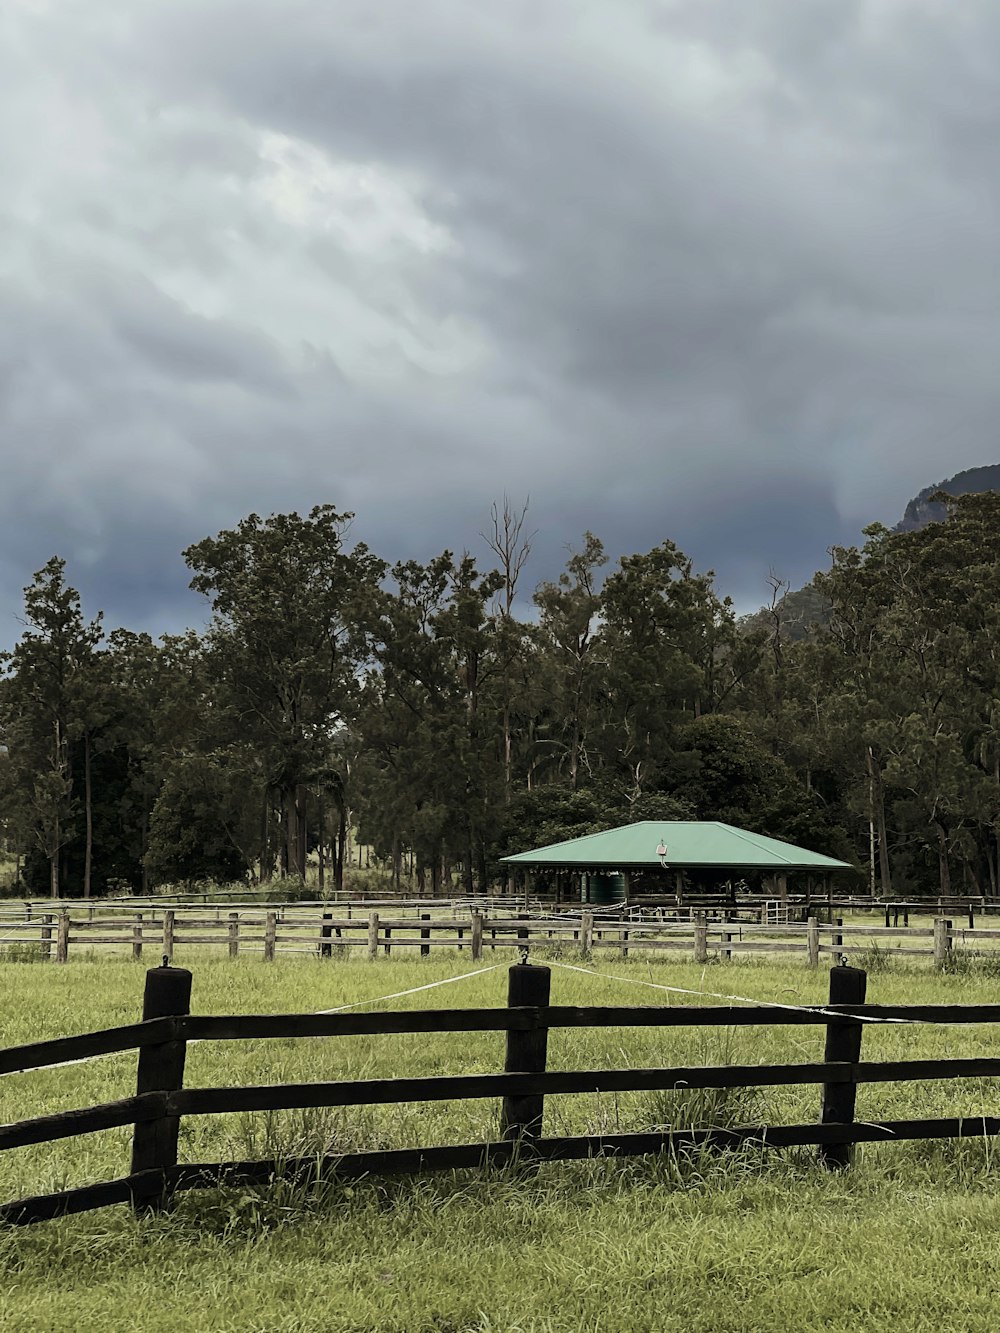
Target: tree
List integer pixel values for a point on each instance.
(289, 639)
(49, 701)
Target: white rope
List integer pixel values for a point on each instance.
(396, 995)
(739, 999)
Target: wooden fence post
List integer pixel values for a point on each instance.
(137, 937)
(425, 934)
(812, 941)
(623, 936)
(326, 932)
(521, 1117)
(372, 936)
(477, 937)
(168, 934)
(234, 934)
(701, 938)
(587, 932)
(161, 1069)
(62, 938)
(725, 953)
(387, 936)
(46, 937)
(270, 935)
(942, 941)
(848, 985)
(838, 939)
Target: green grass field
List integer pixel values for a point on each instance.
(907, 1238)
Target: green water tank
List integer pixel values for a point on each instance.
(602, 887)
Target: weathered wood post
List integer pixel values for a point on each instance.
(161, 1069)
(425, 934)
(838, 939)
(848, 985)
(326, 933)
(700, 938)
(812, 941)
(942, 941)
(477, 936)
(46, 936)
(167, 948)
(234, 934)
(587, 932)
(62, 938)
(725, 953)
(270, 936)
(372, 936)
(387, 937)
(527, 1050)
(137, 937)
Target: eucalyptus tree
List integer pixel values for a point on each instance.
(288, 643)
(48, 703)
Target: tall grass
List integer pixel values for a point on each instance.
(720, 1241)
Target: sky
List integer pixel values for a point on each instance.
(707, 270)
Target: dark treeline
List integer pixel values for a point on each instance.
(417, 706)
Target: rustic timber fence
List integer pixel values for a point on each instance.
(161, 1099)
(289, 929)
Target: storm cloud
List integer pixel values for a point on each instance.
(702, 269)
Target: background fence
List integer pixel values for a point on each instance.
(161, 1099)
(294, 929)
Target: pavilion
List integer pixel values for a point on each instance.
(664, 856)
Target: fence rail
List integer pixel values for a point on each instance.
(161, 1099)
(270, 932)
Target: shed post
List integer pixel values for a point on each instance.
(627, 882)
(679, 887)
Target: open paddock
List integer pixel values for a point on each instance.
(573, 1246)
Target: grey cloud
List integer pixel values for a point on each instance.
(708, 270)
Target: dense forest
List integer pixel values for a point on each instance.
(448, 720)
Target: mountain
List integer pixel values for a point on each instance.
(803, 607)
(973, 481)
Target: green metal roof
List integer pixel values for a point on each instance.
(689, 843)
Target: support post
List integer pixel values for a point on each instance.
(812, 941)
(425, 934)
(137, 937)
(234, 934)
(477, 937)
(326, 932)
(726, 953)
(270, 936)
(700, 938)
(942, 941)
(168, 935)
(46, 936)
(372, 936)
(587, 932)
(161, 1069)
(848, 985)
(521, 1117)
(387, 936)
(62, 938)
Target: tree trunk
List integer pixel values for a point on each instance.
(320, 847)
(338, 868)
(88, 807)
(54, 864)
(943, 867)
(301, 831)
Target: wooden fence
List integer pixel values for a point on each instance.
(161, 1099)
(288, 929)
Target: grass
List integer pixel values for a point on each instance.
(702, 1242)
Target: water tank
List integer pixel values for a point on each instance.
(602, 887)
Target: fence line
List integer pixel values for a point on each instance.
(270, 932)
(161, 1099)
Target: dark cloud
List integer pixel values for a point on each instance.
(696, 269)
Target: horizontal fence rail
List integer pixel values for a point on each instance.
(161, 1099)
(290, 930)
